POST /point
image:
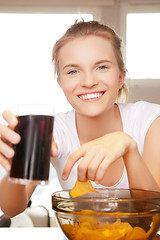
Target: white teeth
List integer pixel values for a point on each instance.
(91, 96)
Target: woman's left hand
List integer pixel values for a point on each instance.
(98, 154)
(54, 149)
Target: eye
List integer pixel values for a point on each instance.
(102, 67)
(72, 72)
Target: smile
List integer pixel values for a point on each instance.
(91, 96)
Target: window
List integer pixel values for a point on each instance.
(139, 28)
(26, 71)
(142, 45)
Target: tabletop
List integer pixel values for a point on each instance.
(59, 235)
(36, 233)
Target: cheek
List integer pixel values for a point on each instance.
(111, 81)
(68, 86)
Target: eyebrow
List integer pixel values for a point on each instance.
(96, 63)
(70, 65)
(103, 61)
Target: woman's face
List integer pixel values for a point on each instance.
(89, 74)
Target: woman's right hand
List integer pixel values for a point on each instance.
(8, 137)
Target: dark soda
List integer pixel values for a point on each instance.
(32, 154)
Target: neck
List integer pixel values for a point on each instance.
(90, 128)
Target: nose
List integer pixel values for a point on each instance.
(89, 80)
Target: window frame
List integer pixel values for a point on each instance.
(41, 8)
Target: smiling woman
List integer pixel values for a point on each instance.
(106, 142)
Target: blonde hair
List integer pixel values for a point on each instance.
(83, 29)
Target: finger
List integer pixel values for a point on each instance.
(10, 118)
(102, 169)
(9, 135)
(94, 165)
(4, 163)
(83, 165)
(73, 158)
(6, 150)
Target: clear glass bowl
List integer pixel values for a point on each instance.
(110, 214)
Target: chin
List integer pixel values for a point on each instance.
(92, 113)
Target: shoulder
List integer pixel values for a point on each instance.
(138, 105)
(65, 116)
(64, 131)
(137, 118)
(139, 109)
(64, 124)
(64, 121)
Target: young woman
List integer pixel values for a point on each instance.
(111, 144)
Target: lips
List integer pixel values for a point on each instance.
(91, 96)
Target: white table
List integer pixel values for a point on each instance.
(32, 233)
(35, 233)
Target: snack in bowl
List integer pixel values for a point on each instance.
(108, 214)
(89, 227)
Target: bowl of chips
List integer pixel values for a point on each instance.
(107, 214)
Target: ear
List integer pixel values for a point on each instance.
(121, 78)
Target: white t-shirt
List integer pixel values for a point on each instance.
(136, 119)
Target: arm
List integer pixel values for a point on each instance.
(146, 168)
(151, 152)
(13, 197)
(98, 154)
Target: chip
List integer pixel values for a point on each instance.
(82, 188)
